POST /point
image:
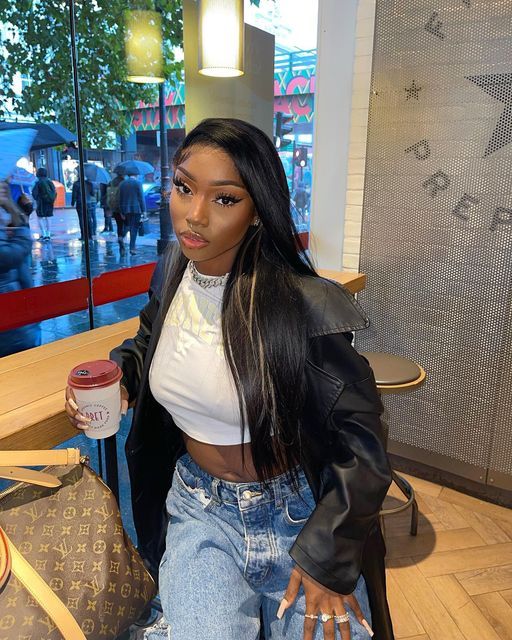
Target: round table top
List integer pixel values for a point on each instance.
(390, 369)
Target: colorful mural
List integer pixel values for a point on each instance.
(148, 118)
(294, 93)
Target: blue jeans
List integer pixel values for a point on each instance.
(227, 558)
(133, 222)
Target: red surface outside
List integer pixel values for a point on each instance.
(40, 303)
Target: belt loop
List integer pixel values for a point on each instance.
(278, 493)
(215, 490)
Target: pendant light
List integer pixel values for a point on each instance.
(221, 38)
(143, 45)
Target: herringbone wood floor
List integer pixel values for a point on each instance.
(454, 580)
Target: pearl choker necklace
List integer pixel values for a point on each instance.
(206, 282)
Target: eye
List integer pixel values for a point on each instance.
(181, 187)
(226, 200)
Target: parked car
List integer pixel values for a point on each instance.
(151, 191)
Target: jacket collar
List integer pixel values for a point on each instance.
(331, 308)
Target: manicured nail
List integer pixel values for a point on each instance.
(367, 627)
(282, 608)
(73, 404)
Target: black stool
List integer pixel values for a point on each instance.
(394, 374)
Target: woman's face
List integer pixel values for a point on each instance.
(210, 208)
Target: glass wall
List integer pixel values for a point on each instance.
(83, 243)
(84, 261)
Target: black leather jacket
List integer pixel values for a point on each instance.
(347, 469)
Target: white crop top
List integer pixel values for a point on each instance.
(189, 374)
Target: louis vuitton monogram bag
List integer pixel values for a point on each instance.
(68, 569)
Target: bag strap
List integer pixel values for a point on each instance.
(5, 559)
(43, 457)
(30, 476)
(43, 594)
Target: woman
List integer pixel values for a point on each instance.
(246, 385)
(15, 249)
(44, 194)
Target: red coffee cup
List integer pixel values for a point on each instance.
(96, 386)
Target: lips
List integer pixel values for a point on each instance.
(193, 240)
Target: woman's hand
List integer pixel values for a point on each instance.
(320, 600)
(80, 421)
(18, 218)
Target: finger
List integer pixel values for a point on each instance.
(309, 626)
(291, 593)
(344, 628)
(353, 603)
(340, 611)
(76, 418)
(367, 627)
(329, 629)
(70, 393)
(124, 407)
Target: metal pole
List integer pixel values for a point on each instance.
(110, 443)
(81, 157)
(165, 180)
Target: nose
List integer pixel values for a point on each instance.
(197, 214)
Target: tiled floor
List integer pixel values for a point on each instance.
(453, 581)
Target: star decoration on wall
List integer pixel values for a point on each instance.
(412, 91)
(499, 86)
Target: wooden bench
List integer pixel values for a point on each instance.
(32, 382)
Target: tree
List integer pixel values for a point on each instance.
(36, 44)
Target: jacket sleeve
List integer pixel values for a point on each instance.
(355, 479)
(131, 353)
(14, 249)
(140, 194)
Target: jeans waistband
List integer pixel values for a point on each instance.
(224, 491)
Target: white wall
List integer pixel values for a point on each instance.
(333, 104)
(358, 126)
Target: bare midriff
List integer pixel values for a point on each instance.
(223, 461)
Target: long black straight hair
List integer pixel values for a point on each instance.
(263, 323)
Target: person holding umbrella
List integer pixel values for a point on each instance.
(131, 200)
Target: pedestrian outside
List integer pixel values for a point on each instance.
(114, 204)
(91, 202)
(131, 200)
(44, 194)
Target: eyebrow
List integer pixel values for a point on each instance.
(213, 183)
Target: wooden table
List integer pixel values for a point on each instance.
(32, 382)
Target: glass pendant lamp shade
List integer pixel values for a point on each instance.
(221, 38)
(143, 45)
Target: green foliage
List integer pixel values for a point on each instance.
(36, 44)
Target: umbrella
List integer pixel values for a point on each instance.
(49, 134)
(95, 173)
(135, 167)
(22, 177)
(13, 146)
